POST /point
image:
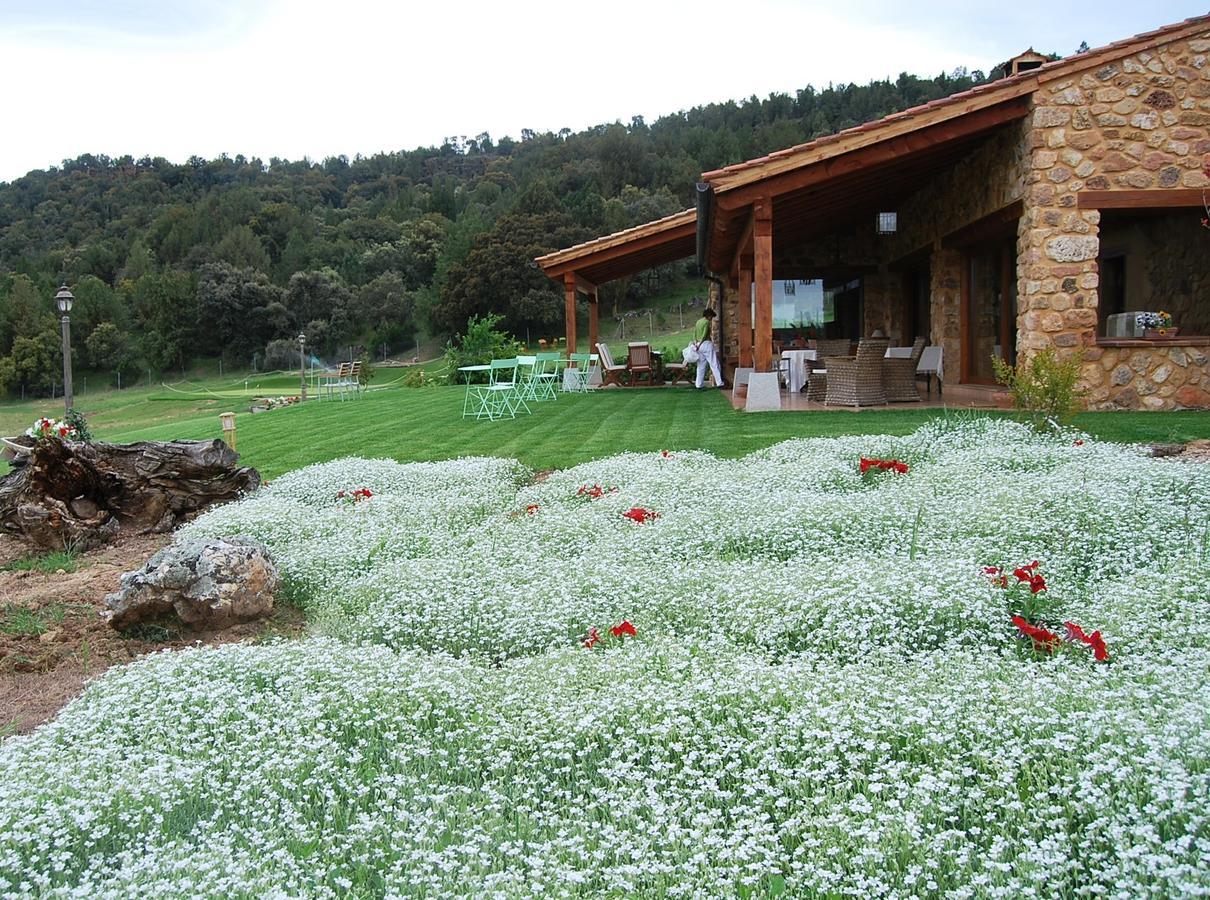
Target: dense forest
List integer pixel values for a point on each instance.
(234, 257)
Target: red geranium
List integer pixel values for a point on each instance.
(640, 515)
(531, 509)
(356, 495)
(1031, 574)
(625, 628)
(883, 465)
(1076, 634)
(593, 638)
(595, 491)
(1078, 443)
(665, 454)
(1044, 641)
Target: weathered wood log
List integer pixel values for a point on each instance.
(69, 493)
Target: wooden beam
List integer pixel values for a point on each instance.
(583, 285)
(1163, 197)
(593, 306)
(990, 226)
(743, 245)
(569, 292)
(762, 239)
(744, 314)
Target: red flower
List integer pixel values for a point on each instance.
(886, 465)
(593, 638)
(665, 454)
(1044, 640)
(1076, 634)
(640, 515)
(624, 628)
(531, 509)
(1078, 443)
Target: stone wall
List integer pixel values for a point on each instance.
(1140, 123)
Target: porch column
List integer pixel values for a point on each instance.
(569, 292)
(744, 313)
(593, 304)
(762, 238)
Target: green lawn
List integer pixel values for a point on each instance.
(426, 424)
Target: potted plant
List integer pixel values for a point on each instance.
(1156, 325)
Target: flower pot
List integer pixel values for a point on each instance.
(1159, 334)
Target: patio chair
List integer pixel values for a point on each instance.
(611, 372)
(857, 380)
(899, 375)
(930, 367)
(639, 362)
(527, 381)
(675, 370)
(500, 397)
(548, 375)
(576, 380)
(328, 381)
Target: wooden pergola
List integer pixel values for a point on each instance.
(584, 267)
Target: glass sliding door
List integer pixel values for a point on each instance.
(990, 310)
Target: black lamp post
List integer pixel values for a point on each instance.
(302, 362)
(64, 299)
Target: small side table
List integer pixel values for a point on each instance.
(817, 385)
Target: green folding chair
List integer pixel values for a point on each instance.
(548, 375)
(500, 397)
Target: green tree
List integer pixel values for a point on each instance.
(241, 248)
(166, 311)
(109, 348)
(498, 271)
(318, 295)
(240, 310)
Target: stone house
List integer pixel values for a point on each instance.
(1030, 212)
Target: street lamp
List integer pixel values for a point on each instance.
(302, 371)
(64, 299)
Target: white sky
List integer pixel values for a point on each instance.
(293, 79)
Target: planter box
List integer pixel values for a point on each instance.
(1160, 334)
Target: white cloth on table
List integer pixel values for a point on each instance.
(898, 352)
(707, 357)
(797, 374)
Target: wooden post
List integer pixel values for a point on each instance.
(593, 304)
(569, 289)
(745, 314)
(762, 239)
(228, 420)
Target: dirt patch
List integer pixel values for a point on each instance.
(53, 638)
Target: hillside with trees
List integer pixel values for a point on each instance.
(233, 257)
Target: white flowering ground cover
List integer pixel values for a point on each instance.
(825, 695)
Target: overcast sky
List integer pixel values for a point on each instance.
(293, 79)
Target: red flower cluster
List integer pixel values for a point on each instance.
(531, 509)
(1075, 634)
(618, 631)
(1078, 442)
(1031, 574)
(887, 465)
(356, 495)
(1044, 641)
(1027, 573)
(625, 628)
(595, 492)
(639, 515)
(665, 454)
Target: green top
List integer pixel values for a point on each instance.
(701, 331)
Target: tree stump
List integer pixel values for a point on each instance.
(84, 494)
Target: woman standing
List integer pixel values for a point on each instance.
(706, 355)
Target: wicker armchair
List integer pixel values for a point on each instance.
(857, 381)
(899, 376)
(829, 347)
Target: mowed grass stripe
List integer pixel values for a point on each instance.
(427, 424)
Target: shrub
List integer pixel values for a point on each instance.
(1044, 387)
(76, 420)
(366, 374)
(482, 343)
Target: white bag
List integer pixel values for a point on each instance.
(690, 354)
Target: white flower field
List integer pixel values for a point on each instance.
(825, 695)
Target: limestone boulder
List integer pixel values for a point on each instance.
(207, 584)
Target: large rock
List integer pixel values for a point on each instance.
(208, 584)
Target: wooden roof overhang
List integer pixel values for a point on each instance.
(625, 252)
(835, 185)
(837, 180)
